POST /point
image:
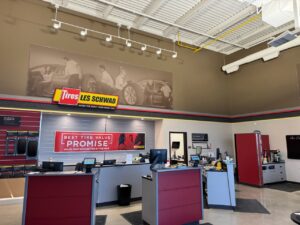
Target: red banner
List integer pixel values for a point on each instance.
(66, 141)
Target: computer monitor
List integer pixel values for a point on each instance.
(89, 161)
(88, 164)
(175, 144)
(109, 162)
(48, 166)
(195, 158)
(158, 157)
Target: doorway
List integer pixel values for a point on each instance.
(178, 147)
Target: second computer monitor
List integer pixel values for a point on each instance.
(89, 161)
(48, 166)
(158, 156)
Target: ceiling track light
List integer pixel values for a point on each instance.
(174, 56)
(108, 38)
(57, 25)
(158, 51)
(83, 33)
(128, 43)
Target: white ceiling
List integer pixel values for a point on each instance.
(199, 22)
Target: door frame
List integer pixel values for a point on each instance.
(185, 148)
(236, 161)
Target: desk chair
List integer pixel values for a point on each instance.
(204, 187)
(295, 217)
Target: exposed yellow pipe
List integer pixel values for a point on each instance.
(218, 38)
(180, 44)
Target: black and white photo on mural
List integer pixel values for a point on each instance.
(51, 68)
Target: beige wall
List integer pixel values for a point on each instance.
(219, 134)
(260, 86)
(198, 83)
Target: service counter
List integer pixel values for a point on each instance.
(221, 188)
(109, 177)
(60, 198)
(172, 196)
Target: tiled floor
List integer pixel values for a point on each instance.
(280, 204)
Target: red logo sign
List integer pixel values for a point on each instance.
(97, 141)
(69, 96)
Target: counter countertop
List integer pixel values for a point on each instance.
(216, 171)
(121, 164)
(65, 173)
(177, 169)
(270, 163)
(114, 165)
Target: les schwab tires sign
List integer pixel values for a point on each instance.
(97, 141)
(75, 97)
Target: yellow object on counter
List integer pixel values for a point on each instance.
(219, 166)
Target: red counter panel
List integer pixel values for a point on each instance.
(59, 200)
(179, 197)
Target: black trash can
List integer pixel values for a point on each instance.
(124, 194)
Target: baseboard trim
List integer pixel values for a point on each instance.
(11, 201)
(293, 182)
(221, 207)
(282, 182)
(116, 202)
(250, 185)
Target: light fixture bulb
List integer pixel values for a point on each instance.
(158, 52)
(57, 25)
(83, 33)
(143, 48)
(128, 44)
(174, 55)
(109, 38)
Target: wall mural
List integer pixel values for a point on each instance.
(51, 68)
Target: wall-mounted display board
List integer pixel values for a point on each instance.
(293, 146)
(199, 137)
(66, 141)
(75, 97)
(10, 121)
